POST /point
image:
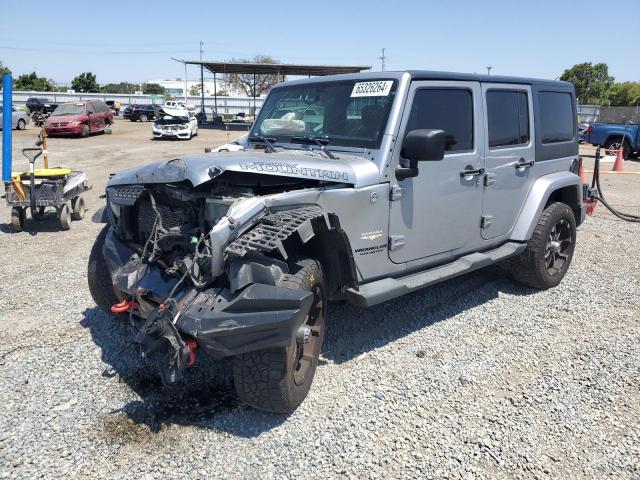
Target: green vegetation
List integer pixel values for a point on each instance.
(245, 81)
(31, 81)
(152, 89)
(85, 82)
(594, 85)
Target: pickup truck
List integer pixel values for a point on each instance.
(612, 136)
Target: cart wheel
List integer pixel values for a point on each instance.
(18, 215)
(64, 216)
(78, 208)
(37, 214)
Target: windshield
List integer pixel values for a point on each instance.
(348, 113)
(171, 120)
(69, 109)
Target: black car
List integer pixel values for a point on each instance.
(40, 105)
(126, 113)
(142, 113)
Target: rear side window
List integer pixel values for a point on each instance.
(448, 109)
(556, 117)
(508, 118)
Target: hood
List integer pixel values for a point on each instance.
(64, 118)
(355, 170)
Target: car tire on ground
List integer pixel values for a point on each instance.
(64, 217)
(279, 379)
(143, 118)
(614, 144)
(21, 125)
(78, 208)
(98, 277)
(18, 216)
(86, 130)
(548, 255)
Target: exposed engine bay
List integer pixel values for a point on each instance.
(199, 266)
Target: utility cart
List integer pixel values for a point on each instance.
(42, 188)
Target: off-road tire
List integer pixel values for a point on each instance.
(265, 378)
(78, 208)
(529, 268)
(98, 277)
(18, 216)
(21, 125)
(86, 131)
(64, 217)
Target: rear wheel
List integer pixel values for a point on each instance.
(548, 255)
(78, 208)
(100, 285)
(279, 379)
(21, 125)
(615, 144)
(143, 118)
(18, 216)
(64, 217)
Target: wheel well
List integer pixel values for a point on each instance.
(611, 138)
(331, 247)
(569, 195)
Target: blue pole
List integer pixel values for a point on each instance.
(7, 114)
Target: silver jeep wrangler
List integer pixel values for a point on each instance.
(353, 187)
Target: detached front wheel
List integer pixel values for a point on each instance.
(279, 379)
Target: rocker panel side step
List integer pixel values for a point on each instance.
(385, 289)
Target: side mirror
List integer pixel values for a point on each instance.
(426, 145)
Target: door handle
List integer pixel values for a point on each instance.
(472, 172)
(521, 165)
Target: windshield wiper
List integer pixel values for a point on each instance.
(322, 142)
(269, 148)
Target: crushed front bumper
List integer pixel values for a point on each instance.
(221, 322)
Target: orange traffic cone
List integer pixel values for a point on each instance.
(618, 166)
(581, 173)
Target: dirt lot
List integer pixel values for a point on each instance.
(474, 378)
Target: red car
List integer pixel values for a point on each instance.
(79, 118)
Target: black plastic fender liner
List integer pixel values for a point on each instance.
(260, 316)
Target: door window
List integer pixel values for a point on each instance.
(448, 109)
(556, 117)
(508, 118)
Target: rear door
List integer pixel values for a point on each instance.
(438, 212)
(510, 155)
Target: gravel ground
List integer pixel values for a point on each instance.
(474, 378)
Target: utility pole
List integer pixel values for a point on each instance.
(203, 118)
(382, 59)
(489, 70)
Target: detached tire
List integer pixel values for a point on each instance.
(98, 276)
(278, 379)
(548, 255)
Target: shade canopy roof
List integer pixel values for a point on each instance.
(276, 68)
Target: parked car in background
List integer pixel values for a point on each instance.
(112, 106)
(613, 136)
(126, 113)
(237, 145)
(79, 118)
(19, 119)
(176, 104)
(175, 123)
(40, 105)
(143, 113)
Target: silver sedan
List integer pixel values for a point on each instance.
(19, 119)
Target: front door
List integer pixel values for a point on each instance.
(437, 214)
(510, 155)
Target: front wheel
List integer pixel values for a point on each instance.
(143, 118)
(86, 130)
(21, 124)
(548, 255)
(279, 379)
(100, 284)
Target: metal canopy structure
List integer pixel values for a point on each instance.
(278, 69)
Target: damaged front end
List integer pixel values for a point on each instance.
(199, 268)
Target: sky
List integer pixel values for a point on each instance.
(134, 41)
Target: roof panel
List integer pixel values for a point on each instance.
(277, 68)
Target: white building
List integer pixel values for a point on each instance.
(176, 87)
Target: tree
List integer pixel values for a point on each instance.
(85, 82)
(625, 94)
(592, 82)
(152, 89)
(195, 89)
(245, 81)
(122, 87)
(4, 70)
(31, 81)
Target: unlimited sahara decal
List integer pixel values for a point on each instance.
(370, 250)
(287, 168)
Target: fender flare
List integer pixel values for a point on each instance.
(538, 197)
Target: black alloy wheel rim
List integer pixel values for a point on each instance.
(558, 247)
(306, 353)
